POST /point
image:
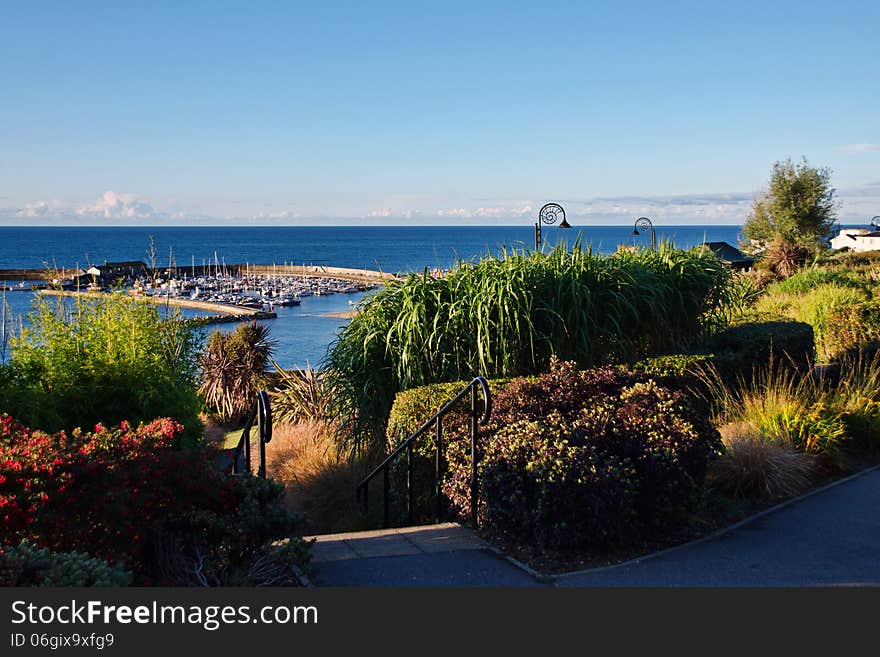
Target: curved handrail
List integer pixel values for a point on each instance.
(435, 420)
(262, 415)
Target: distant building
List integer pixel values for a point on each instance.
(856, 239)
(729, 255)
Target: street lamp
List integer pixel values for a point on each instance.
(548, 214)
(645, 224)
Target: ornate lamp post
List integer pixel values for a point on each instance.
(548, 214)
(645, 224)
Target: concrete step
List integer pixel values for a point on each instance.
(400, 541)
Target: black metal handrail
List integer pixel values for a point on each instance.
(262, 415)
(437, 421)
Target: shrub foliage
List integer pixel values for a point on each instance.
(131, 497)
(103, 359)
(26, 564)
(579, 457)
(507, 316)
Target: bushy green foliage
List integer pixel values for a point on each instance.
(506, 316)
(816, 308)
(851, 258)
(301, 396)
(798, 206)
(781, 404)
(809, 279)
(234, 369)
(26, 564)
(756, 339)
(852, 328)
(857, 396)
(413, 407)
(585, 457)
(104, 359)
(675, 371)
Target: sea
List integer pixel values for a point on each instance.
(303, 333)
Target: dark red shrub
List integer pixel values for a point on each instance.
(585, 457)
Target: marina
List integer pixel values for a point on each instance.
(237, 290)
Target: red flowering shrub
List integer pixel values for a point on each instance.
(115, 492)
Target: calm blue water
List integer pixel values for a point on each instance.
(304, 332)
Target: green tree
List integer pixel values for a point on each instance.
(234, 367)
(797, 209)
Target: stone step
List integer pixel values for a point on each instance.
(399, 541)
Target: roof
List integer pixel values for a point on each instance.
(727, 253)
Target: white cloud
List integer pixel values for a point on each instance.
(119, 206)
(39, 209)
(862, 148)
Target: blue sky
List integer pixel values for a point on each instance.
(452, 112)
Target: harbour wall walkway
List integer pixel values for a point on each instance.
(222, 309)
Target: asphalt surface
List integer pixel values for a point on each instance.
(455, 568)
(831, 538)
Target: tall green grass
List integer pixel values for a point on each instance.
(506, 316)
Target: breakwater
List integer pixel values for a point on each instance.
(221, 312)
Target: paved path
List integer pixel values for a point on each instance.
(831, 538)
(435, 555)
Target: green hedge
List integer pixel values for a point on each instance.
(754, 340)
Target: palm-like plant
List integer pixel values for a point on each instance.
(301, 396)
(233, 369)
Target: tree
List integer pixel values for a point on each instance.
(798, 209)
(234, 366)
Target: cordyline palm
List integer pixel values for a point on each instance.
(233, 369)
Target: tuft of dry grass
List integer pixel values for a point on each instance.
(320, 476)
(759, 467)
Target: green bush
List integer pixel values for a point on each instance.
(814, 307)
(757, 340)
(585, 457)
(676, 371)
(507, 316)
(413, 407)
(28, 565)
(809, 279)
(108, 359)
(855, 328)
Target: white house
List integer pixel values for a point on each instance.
(857, 239)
